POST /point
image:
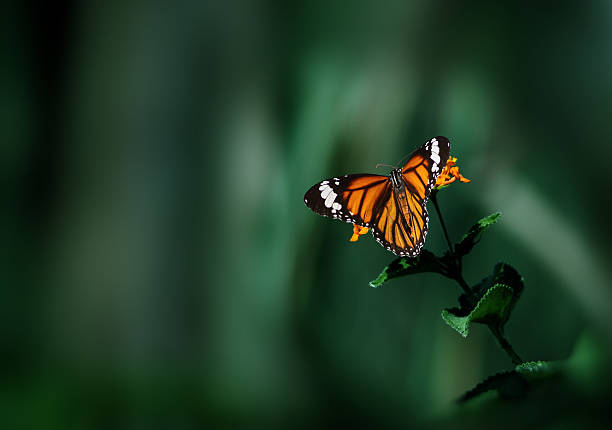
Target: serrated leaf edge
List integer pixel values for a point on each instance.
(380, 279)
(488, 384)
(469, 317)
(474, 232)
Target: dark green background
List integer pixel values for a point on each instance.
(161, 270)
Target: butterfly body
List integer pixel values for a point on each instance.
(392, 206)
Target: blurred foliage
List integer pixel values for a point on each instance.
(161, 270)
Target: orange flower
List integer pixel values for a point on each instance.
(450, 173)
(358, 230)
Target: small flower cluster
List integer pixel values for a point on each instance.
(357, 231)
(450, 173)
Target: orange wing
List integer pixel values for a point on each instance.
(402, 226)
(393, 206)
(424, 165)
(355, 199)
(402, 230)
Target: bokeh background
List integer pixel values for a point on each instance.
(160, 269)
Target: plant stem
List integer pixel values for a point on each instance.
(434, 200)
(506, 346)
(456, 270)
(464, 285)
(455, 273)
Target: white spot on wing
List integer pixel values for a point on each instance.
(435, 157)
(337, 206)
(330, 199)
(326, 192)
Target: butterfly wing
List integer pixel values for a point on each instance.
(402, 225)
(397, 216)
(355, 199)
(397, 232)
(425, 164)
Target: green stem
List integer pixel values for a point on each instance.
(434, 200)
(455, 273)
(505, 344)
(464, 285)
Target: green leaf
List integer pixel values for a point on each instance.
(424, 262)
(530, 375)
(472, 237)
(492, 309)
(509, 385)
(516, 383)
(503, 273)
(534, 370)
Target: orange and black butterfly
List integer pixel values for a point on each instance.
(392, 206)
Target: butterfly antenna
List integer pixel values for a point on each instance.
(385, 165)
(403, 158)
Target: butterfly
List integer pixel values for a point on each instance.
(392, 206)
